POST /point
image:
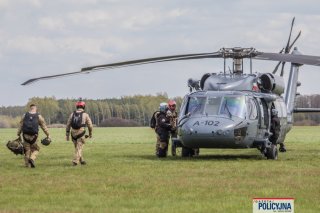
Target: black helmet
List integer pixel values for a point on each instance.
(46, 141)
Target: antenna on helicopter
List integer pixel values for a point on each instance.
(286, 49)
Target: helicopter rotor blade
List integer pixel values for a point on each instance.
(129, 63)
(277, 66)
(287, 50)
(296, 59)
(282, 69)
(30, 81)
(154, 60)
(294, 41)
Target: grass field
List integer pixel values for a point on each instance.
(123, 175)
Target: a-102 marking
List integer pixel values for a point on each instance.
(207, 123)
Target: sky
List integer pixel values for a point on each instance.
(44, 37)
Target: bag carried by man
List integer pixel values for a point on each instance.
(153, 120)
(16, 146)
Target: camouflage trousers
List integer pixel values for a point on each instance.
(78, 145)
(30, 152)
(162, 145)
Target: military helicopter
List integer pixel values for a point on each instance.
(232, 109)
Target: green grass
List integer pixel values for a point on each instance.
(123, 175)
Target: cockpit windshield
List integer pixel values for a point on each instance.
(196, 105)
(219, 105)
(233, 106)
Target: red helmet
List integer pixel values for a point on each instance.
(172, 105)
(80, 104)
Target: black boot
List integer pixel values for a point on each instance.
(33, 165)
(282, 148)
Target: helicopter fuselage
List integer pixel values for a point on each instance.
(229, 119)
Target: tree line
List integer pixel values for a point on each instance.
(125, 111)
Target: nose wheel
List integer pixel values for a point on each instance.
(272, 152)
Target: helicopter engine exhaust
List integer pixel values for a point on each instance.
(271, 83)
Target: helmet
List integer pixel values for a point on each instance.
(80, 104)
(163, 107)
(274, 112)
(46, 141)
(172, 105)
(16, 146)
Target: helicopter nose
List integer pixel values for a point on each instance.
(209, 133)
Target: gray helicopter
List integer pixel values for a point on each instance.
(232, 110)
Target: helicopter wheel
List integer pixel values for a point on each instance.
(272, 152)
(187, 152)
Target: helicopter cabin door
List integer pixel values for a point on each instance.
(264, 118)
(252, 118)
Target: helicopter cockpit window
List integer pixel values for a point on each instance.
(252, 109)
(233, 106)
(196, 105)
(213, 105)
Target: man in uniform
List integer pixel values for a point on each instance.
(163, 129)
(173, 117)
(275, 127)
(77, 122)
(29, 127)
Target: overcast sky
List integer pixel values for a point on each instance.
(44, 37)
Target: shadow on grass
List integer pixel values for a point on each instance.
(197, 158)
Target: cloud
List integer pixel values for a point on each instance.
(51, 23)
(31, 44)
(90, 17)
(4, 3)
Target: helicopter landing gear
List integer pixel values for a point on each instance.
(187, 152)
(176, 147)
(268, 149)
(272, 152)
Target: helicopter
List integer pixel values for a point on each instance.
(231, 109)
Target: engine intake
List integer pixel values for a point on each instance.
(271, 83)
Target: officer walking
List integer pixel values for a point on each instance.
(76, 125)
(29, 127)
(163, 129)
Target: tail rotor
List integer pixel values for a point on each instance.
(286, 49)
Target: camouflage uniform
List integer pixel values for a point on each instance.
(275, 129)
(31, 148)
(163, 131)
(155, 129)
(78, 136)
(173, 117)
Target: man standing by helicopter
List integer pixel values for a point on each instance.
(172, 114)
(77, 122)
(275, 129)
(163, 129)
